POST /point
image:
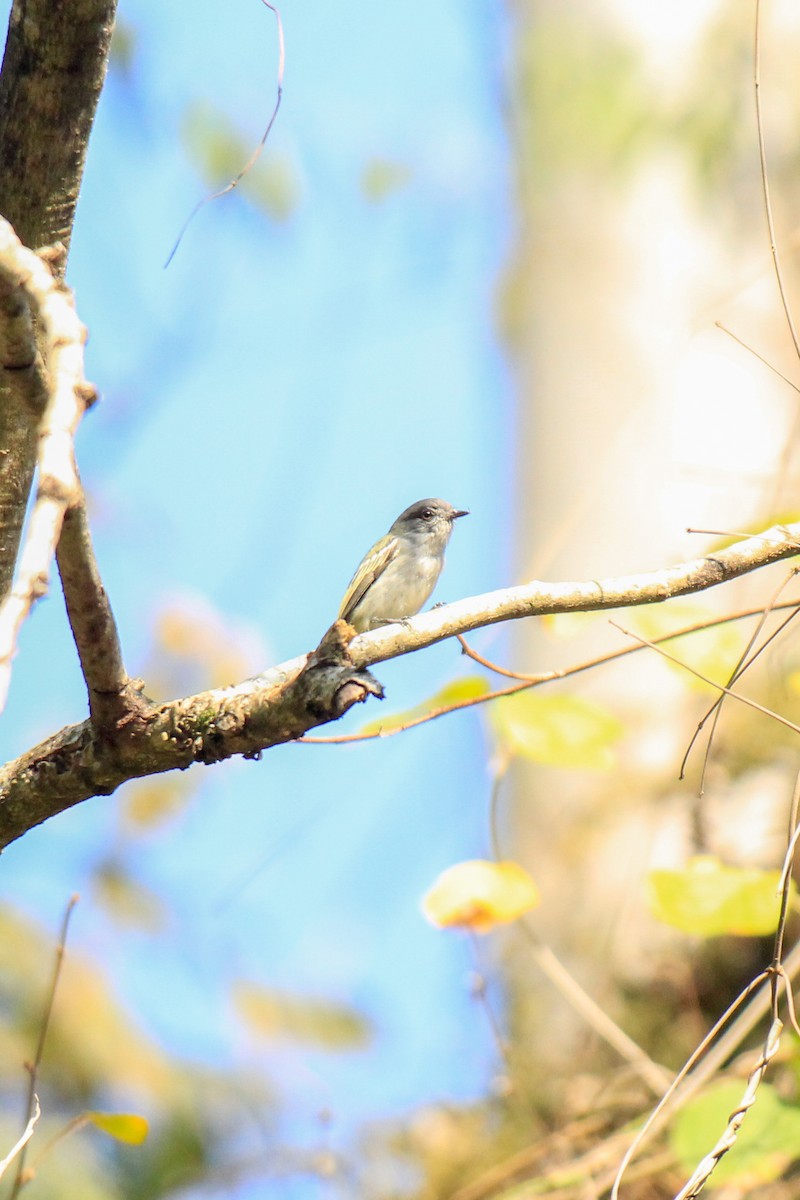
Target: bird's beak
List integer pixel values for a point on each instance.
(460, 512)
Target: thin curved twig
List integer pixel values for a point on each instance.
(746, 659)
(767, 712)
(32, 1103)
(762, 158)
(253, 159)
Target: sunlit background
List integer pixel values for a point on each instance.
(481, 257)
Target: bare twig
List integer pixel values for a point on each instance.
(656, 1077)
(58, 486)
(493, 666)
(762, 157)
(777, 973)
(746, 659)
(704, 1169)
(675, 1094)
(768, 712)
(761, 359)
(26, 1136)
(253, 159)
(32, 1103)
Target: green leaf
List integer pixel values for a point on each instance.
(468, 687)
(708, 899)
(123, 48)
(126, 899)
(768, 1140)
(219, 151)
(381, 178)
(123, 1127)
(321, 1023)
(557, 731)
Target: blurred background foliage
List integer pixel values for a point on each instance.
(636, 222)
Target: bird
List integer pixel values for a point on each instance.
(397, 575)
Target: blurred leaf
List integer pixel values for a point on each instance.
(126, 899)
(274, 187)
(562, 627)
(123, 1127)
(93, 1042)
(150, 803)
(196, 646)
(479, 894)
(220, 151)
(708, 899)
(768, 1140)
(713, 652)
(123, 47)
(320, 1023)
(557, 731)
(381, 178)
(605, 115)
(711, 128)
(468, 687)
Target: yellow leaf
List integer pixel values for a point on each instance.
(150, 803)
(709, 899)
(563, 627)
(123, 1127)
(322, 1023)
(557, 731)
(469, 687)
(126, 899)
(479, 895)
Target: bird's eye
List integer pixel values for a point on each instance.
(426, 514)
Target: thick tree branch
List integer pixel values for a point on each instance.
(23, 395)
(113, 697)
(303, 693)
(53, 70)
(62, 335)
(276, 707)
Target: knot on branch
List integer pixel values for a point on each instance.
(123, 713)
(207, 735)
(333, 684)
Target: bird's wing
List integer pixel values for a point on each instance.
(370, 569)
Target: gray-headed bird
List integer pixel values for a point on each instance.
(396, 577)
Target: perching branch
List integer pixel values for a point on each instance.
(303, 693)
(541, 599)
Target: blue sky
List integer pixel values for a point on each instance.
(270, 403)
